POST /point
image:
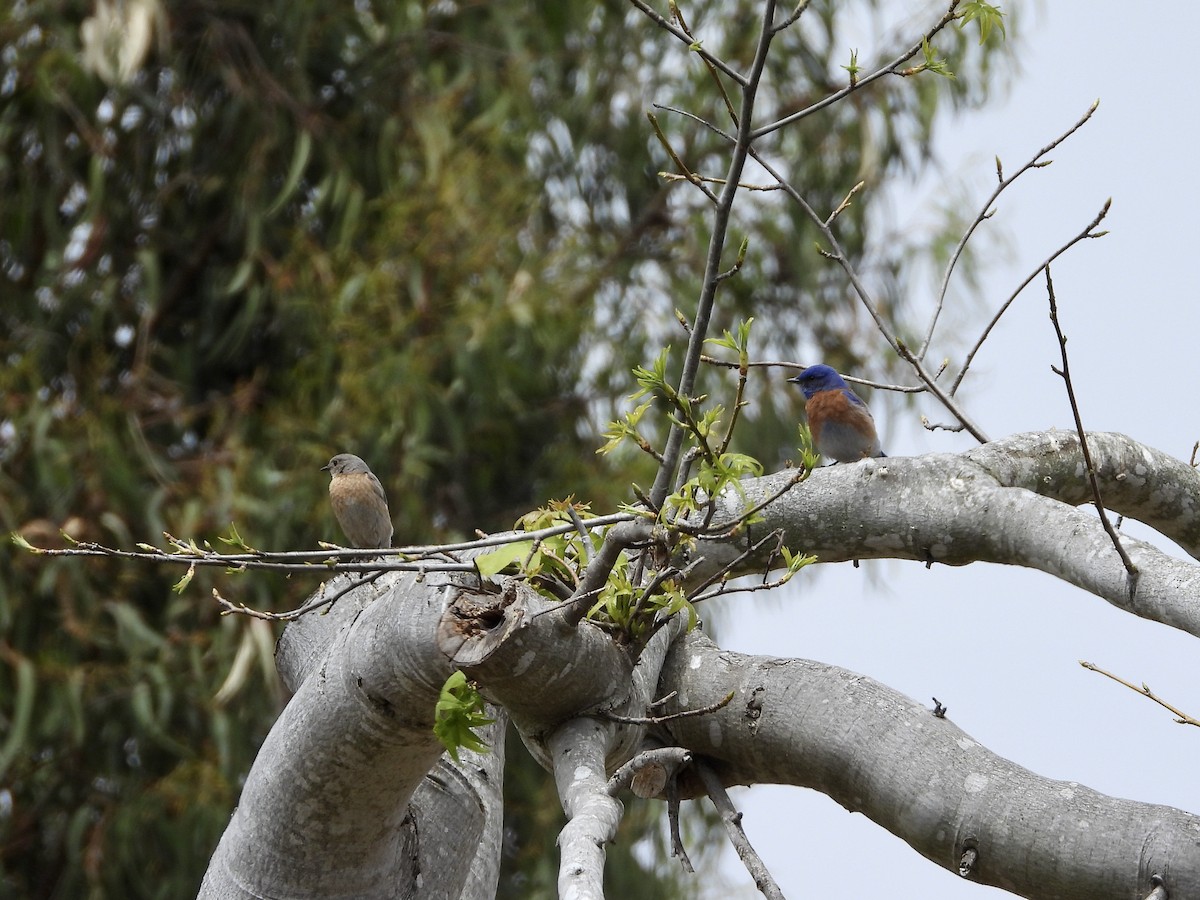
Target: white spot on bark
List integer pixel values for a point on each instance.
(975, 782)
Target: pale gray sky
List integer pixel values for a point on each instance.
(1000, 645)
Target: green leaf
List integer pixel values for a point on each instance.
(933, 63)
(986, 15)
(20, 705)
(496, 561)
(854, 68)
(235, 539)
(300, 155)
(22, 543)
(183, 582)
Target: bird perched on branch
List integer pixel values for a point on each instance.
(358, 502)
(842, 426)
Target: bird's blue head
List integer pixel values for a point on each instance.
(818, 378)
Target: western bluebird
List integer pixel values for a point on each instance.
(842, 426)
(358, 502)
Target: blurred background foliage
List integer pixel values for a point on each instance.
(238, 237)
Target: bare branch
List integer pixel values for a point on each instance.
(666, 25)
(1088, 232)
(659, 720)
(986, 211)
(845, 204)
(887, 69)
(744, 185)
(732, 820)
(796, 14)
(418, 558)
(241, 609)
(666, 760)
(680, 164)
(677, 848)
(321, 563)
(694, 44)
(787, 364)
(1065, 373)
(1181, 717)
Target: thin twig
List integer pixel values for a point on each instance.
(715, 129)
(845, 204)
(585, 548)
(683, 168)
(659, 720)
(1144, 690)
(727, 528)
(985, 212)
(886, 69)
(334, 559)
(666, 25)
(1065, 374)
(1086, 234)
(712, 179)
(776, 535)
(787, 364)
(677, 849)
(791, 20)
(735, 412)
(725, 590)
(240, 562)
(939, 426)
(712, 71)
(241, 609)
(732, 820)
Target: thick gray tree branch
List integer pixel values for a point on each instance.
(877, 752)
(325, 807)
(1011, 501)
(1136, 481)
(578, 749)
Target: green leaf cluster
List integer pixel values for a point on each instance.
(632, 611)
(459, 711)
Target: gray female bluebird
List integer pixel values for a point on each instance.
(358, 502)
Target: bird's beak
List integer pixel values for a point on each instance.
(325, 468)
(795, 379)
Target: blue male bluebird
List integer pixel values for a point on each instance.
(842, 426)
(358, 502)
